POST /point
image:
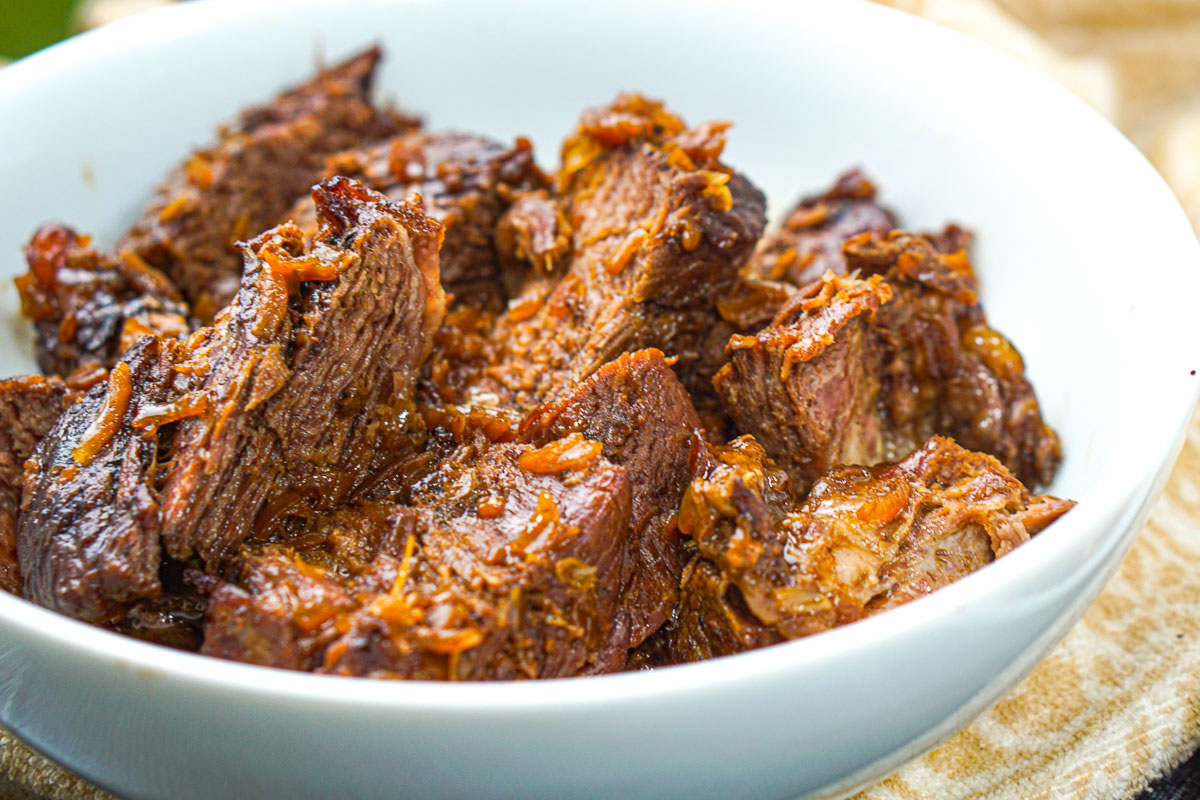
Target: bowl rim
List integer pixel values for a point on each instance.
(1118, 488)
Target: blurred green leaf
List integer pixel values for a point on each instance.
(29, 25)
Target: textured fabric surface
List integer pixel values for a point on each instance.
(25, 775)
(1117, 704)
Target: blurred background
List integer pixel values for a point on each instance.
(1135, 61)
(30, 25)
(27, 26)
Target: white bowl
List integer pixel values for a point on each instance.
(1087, 262)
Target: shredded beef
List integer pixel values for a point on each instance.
(29, 407)
(856, 370)
(658, 227)
(247, 181)
(508, 566)
(464, 181)
(640, 412)
(448, 418)
(87, 307)
(865, 539)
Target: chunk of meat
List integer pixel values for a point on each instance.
(711, 619)
(536, 557)
(638, 410)
(808, 245)
(29, 407)
(658, 227)
(857, 370)
(247, 181)
(88, 534)
(809, 242)
(508, 566)
(951, 239)
(533, 234)
(464, 181)
(288, 394)
(87, 307)
(282, 613)
(809, 386)
(864, 540)
(300, 387)
(951, 373)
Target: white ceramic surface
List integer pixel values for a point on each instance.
(1086, 260)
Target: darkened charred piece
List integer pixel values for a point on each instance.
(659, 228)
(247, 181)
(865, 539)
(637, 408)
(464, 181)
(308, 371)
(88, 535)
(29, 407)
(858, 370)
(87, 307)
(508, 566)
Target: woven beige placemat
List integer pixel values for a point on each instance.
(1118, 702)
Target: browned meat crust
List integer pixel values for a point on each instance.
(281, 615)
(88, 536)
(808, 245)
(29, 407)
(465, 182)
(864, 540)
(247, 181)
(809, 242)
(300, 388)
(658, 228)
(860, 370)
(509, 566)
(640, 412)
(711, 620)
(288, 394)
(87, 307)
